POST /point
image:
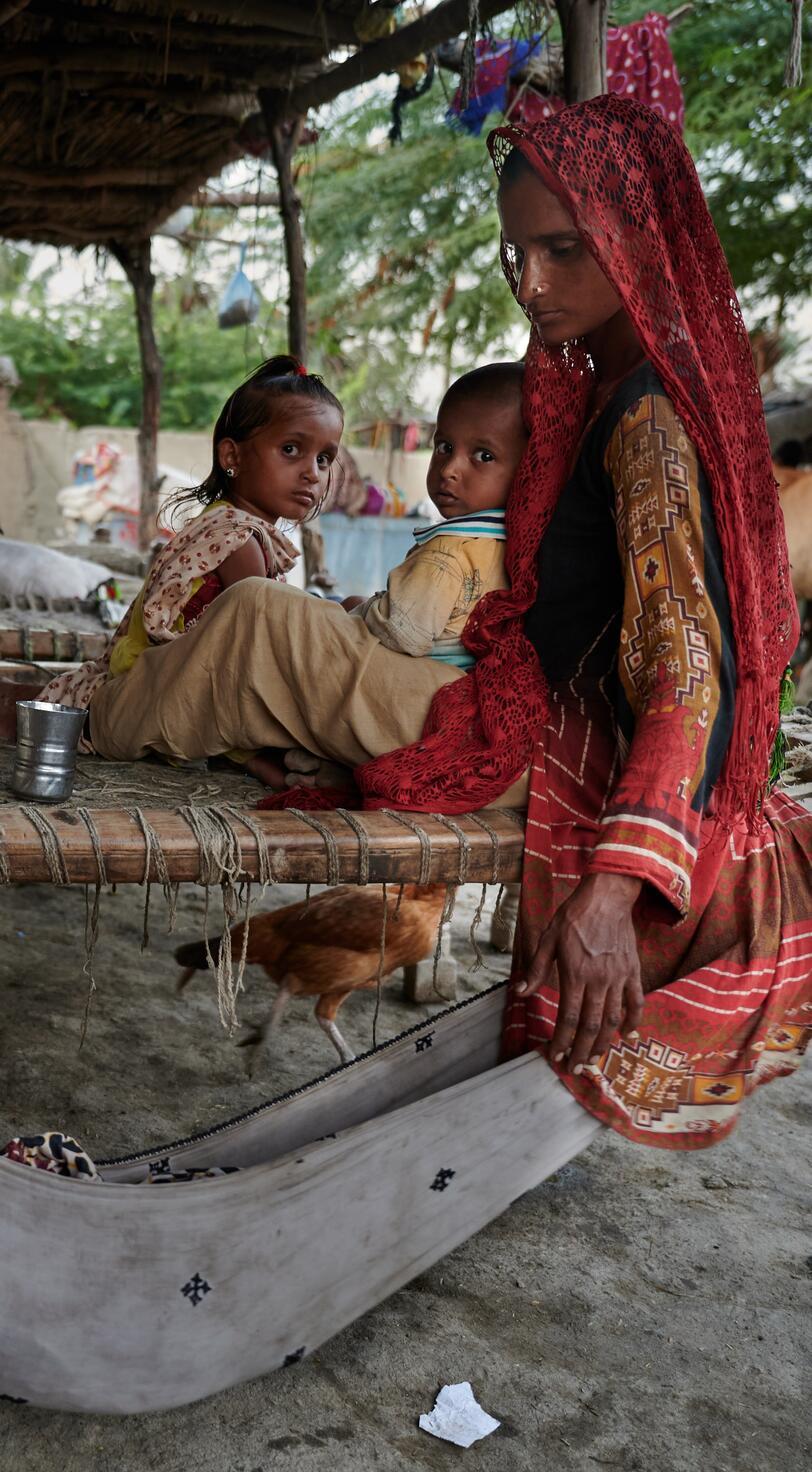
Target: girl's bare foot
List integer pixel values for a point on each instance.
(267, 771)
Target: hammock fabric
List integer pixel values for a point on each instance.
(629, 184)
(165, 1296)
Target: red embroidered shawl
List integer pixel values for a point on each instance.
(630, 185)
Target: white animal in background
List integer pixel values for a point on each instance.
(33, 576)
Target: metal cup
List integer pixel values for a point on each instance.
(45, 759)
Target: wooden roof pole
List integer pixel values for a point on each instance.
(136, 261)
(10, 8)
(583, 26)
(284, 142)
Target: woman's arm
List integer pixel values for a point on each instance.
(676, 679)
(676, 666)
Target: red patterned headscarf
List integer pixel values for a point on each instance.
(629, 183)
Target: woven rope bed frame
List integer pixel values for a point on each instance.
(146, 821)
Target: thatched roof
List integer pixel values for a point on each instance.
(113, 112)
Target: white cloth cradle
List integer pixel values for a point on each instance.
(117, 1298)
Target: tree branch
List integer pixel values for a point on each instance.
(237, 200)
(10, 8)
(136, 263)
(446, 20)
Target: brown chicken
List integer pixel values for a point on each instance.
(331, 947)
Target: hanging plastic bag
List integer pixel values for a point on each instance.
(240, 302)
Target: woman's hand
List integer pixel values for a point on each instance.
(354, 601)
(591, 941)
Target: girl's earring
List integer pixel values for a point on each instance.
(231, 472)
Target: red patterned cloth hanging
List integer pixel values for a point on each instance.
(639, 64)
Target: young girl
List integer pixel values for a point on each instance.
(273, 447)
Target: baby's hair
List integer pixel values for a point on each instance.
(251, 408)
(491, 381)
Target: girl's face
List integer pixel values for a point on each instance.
(282, 472)
(560, 285)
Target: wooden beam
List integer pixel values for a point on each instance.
(304, 20)
(209, 199)
(298, 853)
(51, 644)
(139, 61)
(10, 8)
(445, 20)
(136, 263)
(227, 153)
(584, 24)
(55, 233)
(176, 97)
(169, 30)
(300, 21)
(284, 142)
(140, 176)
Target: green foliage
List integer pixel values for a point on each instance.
(80, 360)
(752, 140)
(403, 245)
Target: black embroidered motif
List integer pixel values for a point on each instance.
(161, 1167)
(422, 1043)
(196, 1288)
(293, 1359)
(442, 1179)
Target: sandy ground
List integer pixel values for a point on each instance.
(640, 1310)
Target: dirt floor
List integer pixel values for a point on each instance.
(641, 1310)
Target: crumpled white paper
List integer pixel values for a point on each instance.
(457, 1417)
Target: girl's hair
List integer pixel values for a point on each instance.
(248, 410)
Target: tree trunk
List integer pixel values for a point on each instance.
(583, 23)
(136, 262)
(284, 139)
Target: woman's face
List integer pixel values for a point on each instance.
(560, 285)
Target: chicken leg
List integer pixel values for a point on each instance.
(257, 1037)
(325, 1011)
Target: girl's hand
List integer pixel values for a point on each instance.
(591, 941)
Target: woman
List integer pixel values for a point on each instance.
(645, 543)
(636, 661)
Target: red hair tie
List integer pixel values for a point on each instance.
(301, 371)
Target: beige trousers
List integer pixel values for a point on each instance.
(269, 666)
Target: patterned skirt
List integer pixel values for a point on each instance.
(728, 987)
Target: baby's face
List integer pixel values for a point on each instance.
(478, 444)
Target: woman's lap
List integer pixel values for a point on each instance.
(268, 666)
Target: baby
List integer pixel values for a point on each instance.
(478, 443)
